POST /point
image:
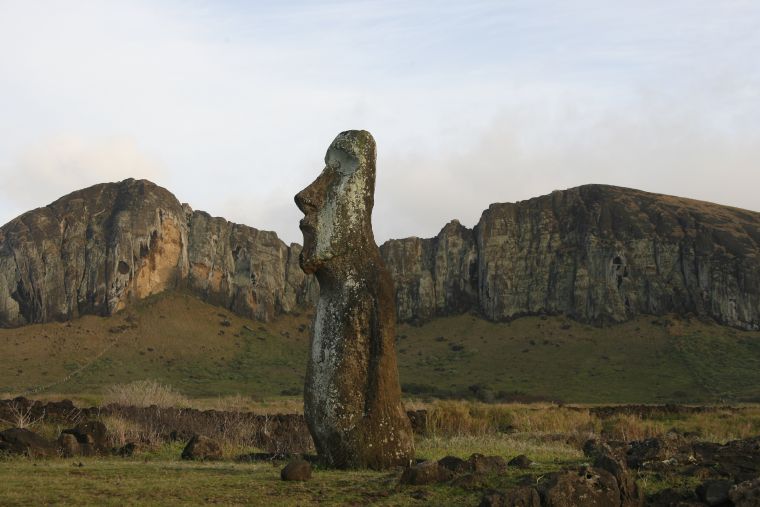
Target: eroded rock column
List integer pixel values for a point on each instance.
(352, 397)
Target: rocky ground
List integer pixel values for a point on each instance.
(673, 468)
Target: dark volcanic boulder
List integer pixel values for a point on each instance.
(202, 448)
(630, 496)
(487, 464)
(521, 461)
(589, 487)
(429, 472)
(26, 442)
(520, 497)
(746, 494)
(91, 437)
(296, 470)
(69, 445)
(456, 465)
(715, 492)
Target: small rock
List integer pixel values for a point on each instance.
(92, 437)
(714, 492)
(746, 494)
(521, 461)
(428, 472)
(456, 465)
(127, 450)
(202, 448)
(520, 497)
(487, 464)
(69, 445)
(296, 470)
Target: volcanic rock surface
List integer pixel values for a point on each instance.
(597, 253)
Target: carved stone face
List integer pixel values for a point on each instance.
(338, 204)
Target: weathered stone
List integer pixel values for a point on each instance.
(26, 442)
(202, 448)
(746, 494)
(69, 445)
(604, 254)
(91, 437)
(436, 276)
(487, 464)
(589, 487)
(521, 461)
(523, 496)
(296, 470)
(99, 249)
(714, 492)
(428, 472)
(352, 399)
(456, 465)
(630, 496)
(128, 449)
(596, 253)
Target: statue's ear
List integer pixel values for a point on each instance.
(341, 161)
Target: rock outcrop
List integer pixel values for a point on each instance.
(97, 250)
(597, 253)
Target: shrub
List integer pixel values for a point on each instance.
(144, 393)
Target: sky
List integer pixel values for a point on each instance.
(232, 105)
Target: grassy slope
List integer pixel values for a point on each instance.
(180, 340)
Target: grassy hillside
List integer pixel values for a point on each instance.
(205, 351)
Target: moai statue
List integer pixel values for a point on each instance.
(352, 400)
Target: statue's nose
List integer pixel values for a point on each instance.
(305, 200)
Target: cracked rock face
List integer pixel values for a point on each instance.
(352, 401)
(99, 249)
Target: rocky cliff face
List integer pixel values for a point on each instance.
(99, 249)
(597, 253)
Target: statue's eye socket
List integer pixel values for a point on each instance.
(335, 164)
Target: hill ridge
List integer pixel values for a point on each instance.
(596, 253)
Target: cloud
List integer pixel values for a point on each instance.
(60, 165)
(656, 145)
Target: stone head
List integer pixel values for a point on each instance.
(338, 204)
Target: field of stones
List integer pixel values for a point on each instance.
(235, 450)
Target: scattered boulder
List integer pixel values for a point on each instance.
(456, 465)
(523, 496)
(739, 458)
(630, 496)
(671, 497)
(297, 470)
(26, 442)
(521, 461)
(202, 448)
(428, 472)
(487, 464)
(746, 494)
(590, 487)
(418, 419)
(127, 450)
(714, 492)
(91, 436)
(69, 445)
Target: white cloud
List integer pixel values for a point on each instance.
(61, 165)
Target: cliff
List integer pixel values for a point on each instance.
(597, 253)
(99, 249)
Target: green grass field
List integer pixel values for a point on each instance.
(205, 351)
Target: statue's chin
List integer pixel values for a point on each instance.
(306, 265)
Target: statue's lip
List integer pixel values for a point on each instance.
(304, 225)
